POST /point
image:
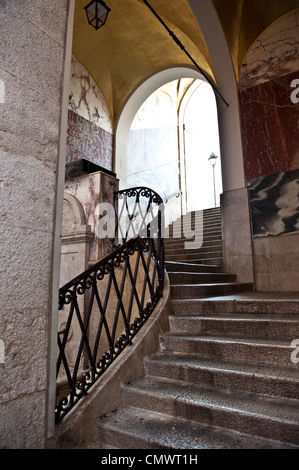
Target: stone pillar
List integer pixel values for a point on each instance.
(236, 226)
(32, 69)
(235, 207)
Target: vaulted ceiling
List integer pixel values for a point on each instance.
(133, 45)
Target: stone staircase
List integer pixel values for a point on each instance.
(223, 377)
(182, 234)
(198, 272)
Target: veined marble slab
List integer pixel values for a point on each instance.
(274, 201)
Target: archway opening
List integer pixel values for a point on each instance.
(199, 122)
(170, 141)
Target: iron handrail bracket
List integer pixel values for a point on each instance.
(105, 307)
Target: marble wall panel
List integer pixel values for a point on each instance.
(90, 132)
(91, 190)
(269, 115)
(270, 127)
(274, 201)
(274, 54)
(86, 140)
(86, 99)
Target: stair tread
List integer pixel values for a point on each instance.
(203, 272)
(227, 339)
(254, 302)
(137, 428)
(211, 244)
(244, 317)
(207, 284)
(188, 265)
(196, 252)
(252, 369)
(247, 403)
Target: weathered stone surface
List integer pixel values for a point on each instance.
(49, 17)
(37, 137)
(28, 267)
(33, 56)
(19, 426)
(32, 68)
(24, 333)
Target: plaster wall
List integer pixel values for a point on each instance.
(32, 69)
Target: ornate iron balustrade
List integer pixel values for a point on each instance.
(138, 211)
(106, 306)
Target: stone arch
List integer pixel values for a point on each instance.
(73, 213)
(76, 239)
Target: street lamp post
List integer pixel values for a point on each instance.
(212, 159)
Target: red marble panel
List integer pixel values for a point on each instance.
(269, 127)
(87, 140)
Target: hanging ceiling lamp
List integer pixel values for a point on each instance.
(97, 12)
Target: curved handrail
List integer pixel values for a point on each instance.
(106, 305)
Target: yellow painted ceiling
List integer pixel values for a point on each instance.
(133, 45)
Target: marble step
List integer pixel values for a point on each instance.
(284, 327)
(215, 215)
(204, 248)
(189, 267)
(257, 350)
(186, 228)
(203, 213)
(197, 254)
(210, 373)
(267, 417)
(170, 244)
(199, 278)
(187, 220)
(242, 303)
(195, 291)
(133, 428)
(212, 261)
(178, 242)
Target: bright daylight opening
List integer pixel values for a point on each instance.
(171, 139)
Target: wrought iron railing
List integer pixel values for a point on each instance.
(105, 307)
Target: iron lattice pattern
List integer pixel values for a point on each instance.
(104, 308)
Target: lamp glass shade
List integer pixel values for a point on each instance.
(212, 159)
(97, 12)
